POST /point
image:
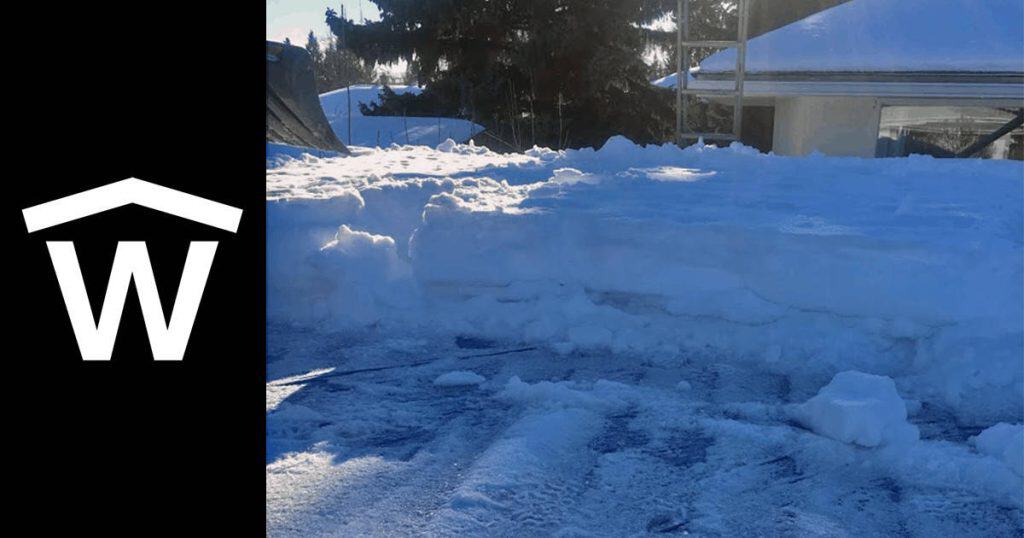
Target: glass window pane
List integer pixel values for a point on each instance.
(942, 131)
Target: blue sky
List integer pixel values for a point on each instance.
(295, 18)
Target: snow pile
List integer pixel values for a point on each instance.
(907, 268)
(859, 408)
(279, 154)
(459, 378)
(447, 146)
(386, 130)
(358, 276)
(1004, 442)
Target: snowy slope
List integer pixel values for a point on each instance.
(385, 130)
(887, 35)
(654, 337)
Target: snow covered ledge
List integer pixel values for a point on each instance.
(909, 268)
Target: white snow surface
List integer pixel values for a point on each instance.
(1004, 442)
(646, 319)
(909, 268)
(459, 378)
(859, 408)
(888, 35)
(386, 130)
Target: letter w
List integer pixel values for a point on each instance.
(131, 261)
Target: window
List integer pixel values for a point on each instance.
(942, 131)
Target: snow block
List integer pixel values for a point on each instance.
(859, 408)
(1005, 442)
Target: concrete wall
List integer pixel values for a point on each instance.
(844, 126)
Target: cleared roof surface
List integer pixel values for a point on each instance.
(967, 36)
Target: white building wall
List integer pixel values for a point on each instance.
(833, 125)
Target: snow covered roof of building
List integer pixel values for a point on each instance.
(887, 36)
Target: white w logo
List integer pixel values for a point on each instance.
(131, 261)
(168, 339)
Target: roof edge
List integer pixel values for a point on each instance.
(983, 77)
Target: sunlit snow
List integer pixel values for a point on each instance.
(643, 340)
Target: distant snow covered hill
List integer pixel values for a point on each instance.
(386, 130)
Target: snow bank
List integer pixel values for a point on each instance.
(386, 130)
(859, 408)
(278, 154)
(1004, 442)
(908, 268)
(459, 378)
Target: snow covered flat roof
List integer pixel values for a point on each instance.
(886, 36)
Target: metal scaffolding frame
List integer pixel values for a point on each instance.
(683, 46)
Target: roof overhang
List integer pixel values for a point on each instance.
(947, 77)
(760, 89)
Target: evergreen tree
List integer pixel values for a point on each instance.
(341, 67)
(313, 47)
(335, 67)
(411, 75)
(709, 20)
(549, 72)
